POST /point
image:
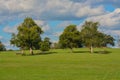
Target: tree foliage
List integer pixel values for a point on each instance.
(105, 40)
(45, 45)
(91, 37)
(28, 36)
(2, 47)
(70, 37)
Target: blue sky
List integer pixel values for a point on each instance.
(54, 15)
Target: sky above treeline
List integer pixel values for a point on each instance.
(54, 15)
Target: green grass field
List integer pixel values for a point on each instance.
(61, 65)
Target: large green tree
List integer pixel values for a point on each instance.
(92, 37)
(89, 34)
(28, 36)
(2, 47)
(70, 37)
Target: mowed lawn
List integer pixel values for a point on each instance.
(61, 65)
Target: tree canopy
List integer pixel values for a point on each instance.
(28, 36)
(70, 37)
(45, 45)
(92, 37)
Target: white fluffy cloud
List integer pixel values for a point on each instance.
(9, 29)
(109, 20)
(53, 9)
(43, 24)
(47, 10)
(1, 37)
(116, 32)
(88, 11)
(64, 24)
(57, 34)
(115, 3)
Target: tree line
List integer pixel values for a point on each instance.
(29, 37)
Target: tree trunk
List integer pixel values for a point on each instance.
(71, 50)
(31, 51)
(91, 49)
(22, 51)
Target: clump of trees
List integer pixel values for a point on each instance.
(89, 36)
(28, 37)
(92, 37)
(2, 47)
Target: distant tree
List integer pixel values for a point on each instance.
(45, 45)
(70, 37)
(118, 41)
(28, 36)
(55, 45)
(46, 39)
(2, 47)
(93, 38)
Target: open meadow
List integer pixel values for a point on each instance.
(61, 65)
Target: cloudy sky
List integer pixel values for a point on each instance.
(54, 15)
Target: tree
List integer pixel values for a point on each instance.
(45, 45)
(2, 47)
(91, 37)
(55, 45)
(107, 39)
(46, 39)
(118, 41)
(88, 32)
(70, 37)
(28, 36)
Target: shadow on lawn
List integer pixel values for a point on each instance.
(81, 51)
(102, 52)
(40, 53)
(97, 52)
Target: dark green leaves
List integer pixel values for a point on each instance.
(45, 45)
(28, 35)
(70, 37)
(2, 47)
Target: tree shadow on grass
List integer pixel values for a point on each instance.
(40, 53)
(102, 52)
(96, 52)
(81, 51)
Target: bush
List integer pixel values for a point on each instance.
(45, 46)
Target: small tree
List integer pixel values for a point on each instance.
(2, 47)
(45, 45)
(118, 41)
(55, 45)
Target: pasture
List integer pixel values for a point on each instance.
(60, 64)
